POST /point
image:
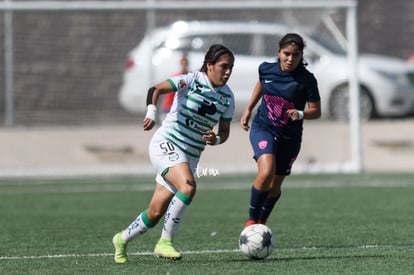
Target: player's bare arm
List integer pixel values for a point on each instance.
(152, 99)
(313, 111)
(256, 95)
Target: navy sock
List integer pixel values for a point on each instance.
(267, 207)
(257, 199)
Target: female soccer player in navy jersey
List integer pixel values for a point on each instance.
(285, 87)
(202, 100)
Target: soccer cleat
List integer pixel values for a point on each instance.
(164, 249)
(120, 249)
(250, 222)
(261, 222)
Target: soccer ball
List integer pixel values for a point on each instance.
(257, 241)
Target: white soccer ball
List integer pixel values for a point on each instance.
(257, 241)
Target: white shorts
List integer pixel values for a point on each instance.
(164, 155)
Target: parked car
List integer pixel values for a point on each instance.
(386, 83)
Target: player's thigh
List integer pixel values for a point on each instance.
(182, 178)
(266, 166)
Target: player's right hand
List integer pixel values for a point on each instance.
(148, 124)
(244, 121)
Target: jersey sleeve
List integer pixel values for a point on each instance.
(261, 69)
(179, 82)
(312, 91)
(228, 114)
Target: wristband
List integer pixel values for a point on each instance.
(218, 140)
(151, 112)
(149, 95)
(300, 115)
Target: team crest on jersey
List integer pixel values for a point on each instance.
(182, 84)
(173, 156)
(262, 144)
(224, 100)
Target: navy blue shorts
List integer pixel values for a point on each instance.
(285, 151)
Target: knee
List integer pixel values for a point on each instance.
(189, 188)
(154, 215)
(265, 176)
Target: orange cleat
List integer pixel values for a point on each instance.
(250, 222)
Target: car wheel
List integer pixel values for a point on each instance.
(338, 104)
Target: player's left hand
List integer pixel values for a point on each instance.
(210, 138)
(293, 114)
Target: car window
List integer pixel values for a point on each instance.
(183, 44)
(328, 44)
(240, 44)
(190, 43)
(271, 44)
(247, 44)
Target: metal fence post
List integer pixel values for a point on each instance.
(8, 67)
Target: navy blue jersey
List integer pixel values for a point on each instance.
(282, 91)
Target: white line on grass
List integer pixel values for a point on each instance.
(219, 251)
(107, 255)
(105, 186)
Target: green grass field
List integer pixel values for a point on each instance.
(323, 224)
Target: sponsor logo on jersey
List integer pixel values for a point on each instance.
(196, 126)
(207, 108)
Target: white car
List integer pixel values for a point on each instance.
(386, 83)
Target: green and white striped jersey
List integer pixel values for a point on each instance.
(196, 109)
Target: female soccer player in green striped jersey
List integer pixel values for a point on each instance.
(202, 100)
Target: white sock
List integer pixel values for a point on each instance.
(137, 227)
(175, 212)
